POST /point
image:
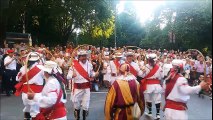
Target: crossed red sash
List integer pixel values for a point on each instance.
(81, 70)
(170, 103)
(151, 73)
(170, 85)
(132, 70)
(31, 73)
(117, 64)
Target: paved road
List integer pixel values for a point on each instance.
(11, 108)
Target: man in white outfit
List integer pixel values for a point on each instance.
(81, 74)
(35, 81)
(151, 84)
(53, 97)
(177, 92)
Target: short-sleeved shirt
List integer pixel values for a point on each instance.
(12, 65)
(200, 67)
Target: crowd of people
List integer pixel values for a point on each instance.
(92, 68)
(194, 66)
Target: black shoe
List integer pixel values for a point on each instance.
(27, 116)
(202, 96)
(85, 114)
(77, 114)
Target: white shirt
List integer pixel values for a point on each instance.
(80, 79)
(113, 66)
(158, 75)
(141, 63)
(38, 79)
(60, 61)
(12, 65)
(107, 67)
(49, 94)
(208, 69)
(137, 68)
(181, 91)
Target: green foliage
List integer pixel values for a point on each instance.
(104, 29)
(54, 21)
(129, 28)
(192, 26)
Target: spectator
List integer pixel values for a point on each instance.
(60, 60)
(65, 68)
(208, 67)
(10, 72)
(187, 69)
(200, 67)
(107, 72)
(192, 71)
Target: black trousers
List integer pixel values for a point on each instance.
(10, 80)
(2, 84)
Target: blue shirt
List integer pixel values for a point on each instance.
(187, 67)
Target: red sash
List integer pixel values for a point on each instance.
(56, 111)
(170, 85)
(33, 87)
(82, 85)
(175, 105)
(81, 70)
(132, 70)
(152, 81)
(31, 73)
(117, 64)
(151, 73)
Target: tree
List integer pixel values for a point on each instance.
(54, 21)
(191, 22)
(129, 28)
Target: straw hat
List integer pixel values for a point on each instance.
(33, 56)
(82, 52)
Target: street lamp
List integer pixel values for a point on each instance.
(115, 25)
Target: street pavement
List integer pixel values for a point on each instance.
(11, 108)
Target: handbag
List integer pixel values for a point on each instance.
(136, 112)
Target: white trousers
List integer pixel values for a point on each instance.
(171, 114)
(153, 93)
(81, 98)
(153, 97)
(30, 106)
